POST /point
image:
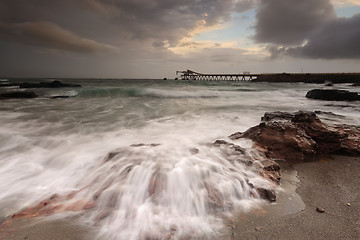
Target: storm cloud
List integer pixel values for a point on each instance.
(337, 39)
(120, 22)
(307, 29)
(114, 37)
(49, 35)
(290, 22)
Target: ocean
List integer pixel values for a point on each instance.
(159, 128)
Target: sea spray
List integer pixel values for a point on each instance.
(181, 187)
(150, 191)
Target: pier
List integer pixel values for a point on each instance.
(191, 75)
(273, 77)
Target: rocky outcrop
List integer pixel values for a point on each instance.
(333, 95)
(53, 84)
(26, 94)
(302, 136)
(280, 136)
(55, 204)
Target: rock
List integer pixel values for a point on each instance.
(53, 84)
(59, 97)
(234, 149)
(282, 140)
(18, 95)
(9, 84)
(328, 84)
(267, 194)
(333, 95)
(265, 166)
(277, 115)
(302, 137)
(194, 151)
(319, 209)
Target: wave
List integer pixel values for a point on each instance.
(147, 92)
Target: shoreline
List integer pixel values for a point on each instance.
(331, 182)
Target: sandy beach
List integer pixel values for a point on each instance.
(331, 183)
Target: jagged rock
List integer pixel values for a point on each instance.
(53, 84)
(231, 146)
(269, 194)
(18, 95)
(268, 116)
(302, 137)
(333, 95)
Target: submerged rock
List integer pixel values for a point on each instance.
(302, 137)
(333, 95)
(266, 167)
(59, 96)
(53, 84)
(18, 95)
(328, 84)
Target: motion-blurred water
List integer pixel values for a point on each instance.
(59, 146)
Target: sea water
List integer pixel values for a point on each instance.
(163, 176)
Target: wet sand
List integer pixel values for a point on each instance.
(33, 229)
(331, 183)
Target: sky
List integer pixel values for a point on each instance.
(155, 38)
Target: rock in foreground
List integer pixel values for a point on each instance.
(333, 95)
(301, 136)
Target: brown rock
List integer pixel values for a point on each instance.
(302, 136)
(268, 194)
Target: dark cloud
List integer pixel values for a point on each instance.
(339, 38)
(49, 35)
(291, 22)
(307, 29)
(121, 21)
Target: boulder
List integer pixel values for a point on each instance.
(26, 94)
(302, 137)
(333, 95)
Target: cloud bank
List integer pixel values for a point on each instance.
(50, 35)
(307, 29)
